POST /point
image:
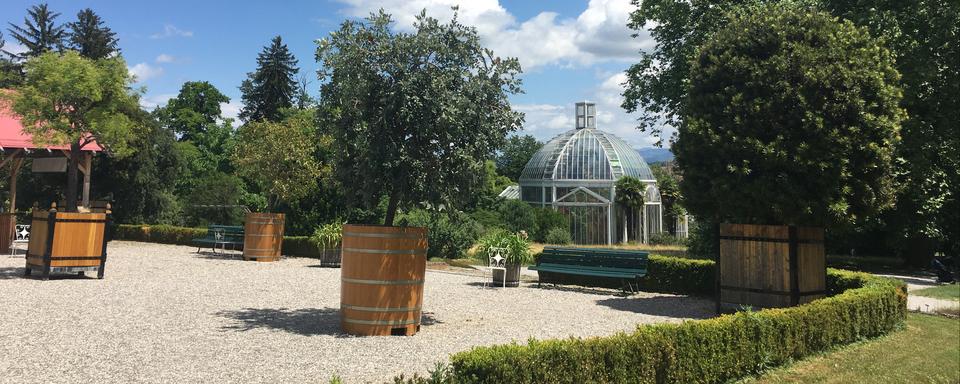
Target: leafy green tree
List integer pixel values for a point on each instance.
(791, 118)
(40, 33)
(272, 87)
(279, 157)
(670, 197)
(515, 154)
(89, 36)
(143, 184)
(418, 112)
(70, 100)
(205, 137)
(924, 36)
(518, 216)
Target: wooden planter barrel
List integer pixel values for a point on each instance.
(769, 266)
(262, 236)
(382, 271)
(67, 242)
(8, 229)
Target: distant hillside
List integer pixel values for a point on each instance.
(655, 155)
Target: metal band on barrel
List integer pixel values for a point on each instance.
(417, 252)
(381, 322)
(382, 282)
(375, 309)
(386, 235)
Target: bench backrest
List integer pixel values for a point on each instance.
(595, 257)
(230, 232)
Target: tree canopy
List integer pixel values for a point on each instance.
(70, 100)
(273, 86)
(279, 156)
(40, 33)
(416, 114)
(91, 38)
(791, 118)
(515, 154)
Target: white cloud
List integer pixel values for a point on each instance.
(144, 71)
(598, 34)
(151, 102)
(165, 58)
(14, 48)
(170, 30)
(544, 121)
(231, 110)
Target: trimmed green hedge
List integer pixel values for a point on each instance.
(300, 246)
(703, 351)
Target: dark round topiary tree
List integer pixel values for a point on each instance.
(792, 118)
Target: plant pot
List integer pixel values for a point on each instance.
(262, 236)
(330, 257)
(381, 284)
(512, 275)
(67, 242)
(8, 228)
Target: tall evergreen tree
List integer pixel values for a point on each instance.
(272, 86)
(90, 37)
(39, 33)
(10, 74)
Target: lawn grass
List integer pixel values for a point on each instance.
(946, 292)
(927, 350)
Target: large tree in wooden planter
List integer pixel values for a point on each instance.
(791, 118)
(68, 100)
(279, 157)
(414, 116)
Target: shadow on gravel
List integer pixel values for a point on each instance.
(304, 321)
(229, 255)
(7, 273)
(670, 306)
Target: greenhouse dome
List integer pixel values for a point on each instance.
(576, 173)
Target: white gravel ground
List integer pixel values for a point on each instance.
(166, 314)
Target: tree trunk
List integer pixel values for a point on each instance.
(73, 170)
(392, 208)
(626, 221)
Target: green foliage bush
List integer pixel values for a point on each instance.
(666, 239)
(547, 219)
(518, 248)
(704, 351)
(450, 234)
(558, 236)
(518, 216)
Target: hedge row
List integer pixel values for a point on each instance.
(300, 246)
(703, 351)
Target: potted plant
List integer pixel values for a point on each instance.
(328, 237)
(74, 104)
(279, 158)
(417, 142)
(514, 248)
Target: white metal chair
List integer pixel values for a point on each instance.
(496, 261)
(21, 236)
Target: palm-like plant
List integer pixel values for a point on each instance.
(629, 194)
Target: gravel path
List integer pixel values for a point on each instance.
(166, 314)
(923, 303)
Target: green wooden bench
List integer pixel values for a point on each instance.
(221, 236)
(625, 266)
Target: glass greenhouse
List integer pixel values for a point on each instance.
(576, 172)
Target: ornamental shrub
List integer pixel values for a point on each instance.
(558, 236)
(450, 234)
(705, 351)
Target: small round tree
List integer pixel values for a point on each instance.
(70, 100)
(792, 118)
(416, 113)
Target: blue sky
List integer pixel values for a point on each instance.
(570, 50)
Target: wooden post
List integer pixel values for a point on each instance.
(14, 172)
(87, 162)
